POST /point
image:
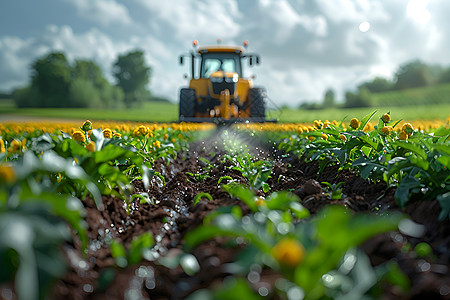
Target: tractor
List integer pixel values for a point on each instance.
(217, 90)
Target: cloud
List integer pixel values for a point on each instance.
(306, 46)
(189, 19)
(103, 12)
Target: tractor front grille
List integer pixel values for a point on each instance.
(218, 87)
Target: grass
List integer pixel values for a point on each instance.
(168, 112)
(437, 94)
(150, 112)
(413, 112)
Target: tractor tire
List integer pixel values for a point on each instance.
(187, 103)
(257, 97)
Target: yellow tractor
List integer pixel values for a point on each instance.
(217, 91)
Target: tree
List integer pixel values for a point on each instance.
(378, 85)
(56, 83)
(360, 99)
(328, 100)
(414, 74)
(89, 88)
(51, 80)
(132, 76)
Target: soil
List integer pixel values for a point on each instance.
(173, 215)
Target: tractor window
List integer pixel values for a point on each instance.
(213, 63)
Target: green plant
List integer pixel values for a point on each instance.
(334, 190)
(326, 238)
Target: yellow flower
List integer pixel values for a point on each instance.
(318, 124)
(403, 135)
(107, 133)
(343, 137)
(87, 125)
(166, 136)
(157, 144)
(141, 130)
(326, 124)
(288, 252)
(408, 128)
(324, 136)
(173, 140)
(354, 123)
(79, 136)
(299, 130)
(260, 201)
(15, 146)
(90, 146)
(386, 130)
(311, 138)
(7, 173)
(386, 118)
(2, 146)
(117, 135)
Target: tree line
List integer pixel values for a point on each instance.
(55, 82)
(409, 75)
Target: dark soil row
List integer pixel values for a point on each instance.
(173, 215)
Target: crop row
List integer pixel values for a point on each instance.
(48, 171)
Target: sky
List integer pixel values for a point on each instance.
(306, 46)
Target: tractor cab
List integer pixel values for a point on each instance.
(217, 89)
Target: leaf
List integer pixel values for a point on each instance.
(138, 245)
(243, 193)
(224, 178)
(200, 196)
(147, 175)
(444, 202)
(445, 160)
(403, 189)
(119, 254)
(411, 147)
(366, 120)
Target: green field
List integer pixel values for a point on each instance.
(150, 112)
(168, 112)
(437, 94)
(413, 112)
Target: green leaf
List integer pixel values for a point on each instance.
(411, 147)
(445, 160)
(444, 202)
(403, 189)
(366, 120)
(119, 254)
(201, 196)
(138, 245)
(224, 178)
(243, 193)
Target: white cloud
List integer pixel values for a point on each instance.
(306, 46)
(103, 12)
(202, 20)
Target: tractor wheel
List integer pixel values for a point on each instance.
(187, 103)
(257, 98)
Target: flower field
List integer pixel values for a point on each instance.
(353, 209)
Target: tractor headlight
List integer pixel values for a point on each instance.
(216, 79)
(233, 79)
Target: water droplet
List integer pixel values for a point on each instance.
(253, 277)
(263, 291)
(88, 288)
(295, 293)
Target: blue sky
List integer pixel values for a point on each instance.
(306, 46)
